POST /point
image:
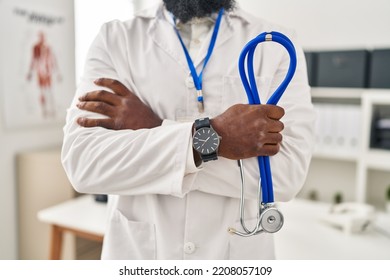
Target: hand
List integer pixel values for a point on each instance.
(123, 108)
(249, 131)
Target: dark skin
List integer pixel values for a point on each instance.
(246, 130)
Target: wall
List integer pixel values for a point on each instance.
(329, 24)
(11, 143)
(86, 30)
(14, 141)
(142, 4)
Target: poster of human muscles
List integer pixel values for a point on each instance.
(37, 80)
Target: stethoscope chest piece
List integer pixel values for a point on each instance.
(271, 219)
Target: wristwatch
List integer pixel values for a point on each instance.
(205, 140)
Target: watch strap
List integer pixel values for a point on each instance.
(204, 122)
(209, 157)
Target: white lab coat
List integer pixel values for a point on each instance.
(163, 206)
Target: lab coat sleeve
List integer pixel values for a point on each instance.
(125, 162)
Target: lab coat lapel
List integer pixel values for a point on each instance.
(164, 36)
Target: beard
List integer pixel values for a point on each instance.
(185, 10)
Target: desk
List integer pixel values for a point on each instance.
(304, 236)
(82, 216)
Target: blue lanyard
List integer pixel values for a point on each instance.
(253, 95)
(198, 79)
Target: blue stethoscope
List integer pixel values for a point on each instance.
(269, 219)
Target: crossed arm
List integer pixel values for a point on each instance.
(246, 130)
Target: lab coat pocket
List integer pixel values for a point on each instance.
(260, 246)
(127, 239)
(234, 92)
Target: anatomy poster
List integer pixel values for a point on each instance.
(37, 80)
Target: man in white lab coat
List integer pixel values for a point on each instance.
(169, 199)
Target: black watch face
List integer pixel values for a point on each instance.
(206, 141)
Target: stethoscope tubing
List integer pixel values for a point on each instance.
(266, 194)
(249, 83)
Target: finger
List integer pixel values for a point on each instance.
(274, 112)
(269, 144)
(270, 149)
(101, 96)
(275, 126)
(114, 85)
(97, 107)
(273, 138)
(105, 123)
